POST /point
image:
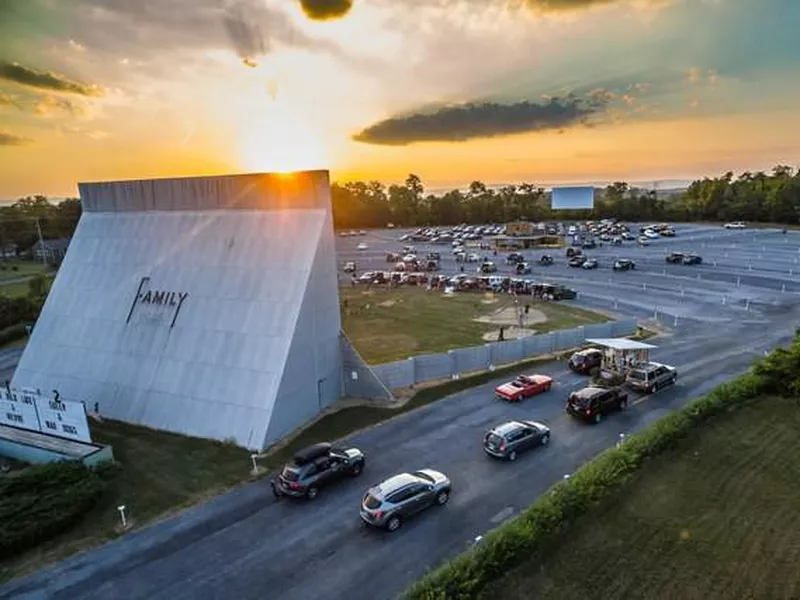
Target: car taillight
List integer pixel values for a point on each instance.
(503, 445)
(588, 411)
(295, 486)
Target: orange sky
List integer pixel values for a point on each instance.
(176, 99)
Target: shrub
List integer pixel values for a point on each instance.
(527, 535)
(40, 502)
(12, 334)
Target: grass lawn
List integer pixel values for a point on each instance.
(386, 325)
(19, 289)
(25, 268)
(715, 518)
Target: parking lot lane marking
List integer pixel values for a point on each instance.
(502, 515)
(639, 401)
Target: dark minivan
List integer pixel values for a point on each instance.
(593, 403)
(583, 361)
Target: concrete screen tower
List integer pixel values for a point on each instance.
(206, 306)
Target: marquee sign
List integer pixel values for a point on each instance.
(18, 410)
(28, 409)
(157, 298)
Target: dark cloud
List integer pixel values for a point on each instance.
(324, 10)
(245, 33)
(482, 120)
(9, 139)
(45, 80)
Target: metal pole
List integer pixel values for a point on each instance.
(121, 510)
(41, 242)
(747, 306)
(783, 287)
(738, 282)
(675, 322)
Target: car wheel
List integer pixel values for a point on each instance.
(512, 456)
(357, 468)
(275, 491)
(598, 417)
(545, 439)
(655, 388)
(442, 498)
(623, 404)
(393, 524)
(312, 493)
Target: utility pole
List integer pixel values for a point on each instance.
(41, 242)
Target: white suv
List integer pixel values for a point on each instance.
(735, 225)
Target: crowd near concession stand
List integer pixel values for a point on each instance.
(620, 354)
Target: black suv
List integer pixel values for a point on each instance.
(507, 440)
(514, 258)
(624, 264)
(583, 361)
(593, 403)
(675, 258)
(545, 259)
(692, 259)
(558, 292)
(315, 467)
(577, 261)
(571, 252)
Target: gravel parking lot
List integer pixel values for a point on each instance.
(722, 314)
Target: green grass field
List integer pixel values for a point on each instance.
(14, 284)
(718, 517)
(386, 325)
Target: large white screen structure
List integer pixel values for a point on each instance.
(572, 198)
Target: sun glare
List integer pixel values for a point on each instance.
(277, 137)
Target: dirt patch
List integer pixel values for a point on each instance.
(510, 316)
(387, 303)
(489, 299)
(512, 333)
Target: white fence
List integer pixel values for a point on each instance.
(427, 367)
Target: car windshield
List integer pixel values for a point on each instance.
(578, 400)
(422, 475)
(371, 501)
(290, 474)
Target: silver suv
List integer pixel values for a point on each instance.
(650, 377)
(399, 497)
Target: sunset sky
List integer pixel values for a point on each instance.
(547, 91)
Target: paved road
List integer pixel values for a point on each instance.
(8, 362)
(247, 545)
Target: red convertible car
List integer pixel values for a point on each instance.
(523, 386)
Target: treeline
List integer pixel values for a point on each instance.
(18, 221)
(754, 197)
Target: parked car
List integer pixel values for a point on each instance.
(572, 252)
(593, 403)
(388, 504)
(590, 263)
(669, 232)
(583, 361)
(523, 386)
(624, 264)
(650, 377)
(522, 268)
(362, 246)
(511, 438)
(349, 267)
(393, 257)
(545, 259)
(616, 241)
(642, 240)
(514, 258)
(588, 244)
(577, 261)
(487, 267)
(367, 277)
(675, 258)
(692, 259)
(628, 236)
(434, 256)
(315, 467)
(558, 292)
(735, 225)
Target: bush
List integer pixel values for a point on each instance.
(527, 535)
(40, 502)
(12, 334)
